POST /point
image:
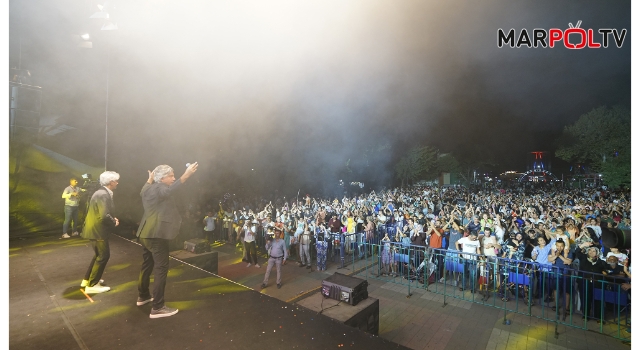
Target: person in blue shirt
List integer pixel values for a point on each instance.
(540, 255)
(474, 226)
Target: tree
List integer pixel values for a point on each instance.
(446, 163)
(416, 164)
(601, 139)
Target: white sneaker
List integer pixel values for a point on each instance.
(249, 265)
(98, 288)
(258, 265)
(442, 280)
(66, 235)
(75, 233)
(85, 283)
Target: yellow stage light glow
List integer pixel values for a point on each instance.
(222, 289)
(110, 312)
(187, 304)
(71, 306)
(175, 272)
(118, 267)
(72, 294)
(205, 282)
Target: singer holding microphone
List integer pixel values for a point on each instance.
(97, 228)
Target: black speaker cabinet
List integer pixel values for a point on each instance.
(197, 245)
(348, 289)
(364, 316)
(207, 261)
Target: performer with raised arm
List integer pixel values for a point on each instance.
(159, 225)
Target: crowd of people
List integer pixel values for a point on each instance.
(550, 228)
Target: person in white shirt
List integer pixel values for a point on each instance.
(596, 228)
(209, 223)
(498, 229)
(250, 244)
(469, 244)
(622, 257)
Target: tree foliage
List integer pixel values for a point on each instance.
(415, 164)
(601, 139)
(447, 163)
(424, 163)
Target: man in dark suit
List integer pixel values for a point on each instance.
(159, 225)
(97, 228)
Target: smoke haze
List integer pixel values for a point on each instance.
(294, 89)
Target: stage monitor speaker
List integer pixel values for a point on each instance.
(348, 289)
(197, 245)
(616, 238)
(207, 261)
(364, 316)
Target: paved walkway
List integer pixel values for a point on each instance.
(422, 321)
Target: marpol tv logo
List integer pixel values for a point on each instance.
(573, 38)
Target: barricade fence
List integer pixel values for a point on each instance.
(564, 296)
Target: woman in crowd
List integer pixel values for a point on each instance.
(540, 255)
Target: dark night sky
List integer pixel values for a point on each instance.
(295, 88)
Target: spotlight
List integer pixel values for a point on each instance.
(86, 176)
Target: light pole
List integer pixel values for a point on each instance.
(106, 110)
(107, 25)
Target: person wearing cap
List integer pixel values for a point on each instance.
(277, 252)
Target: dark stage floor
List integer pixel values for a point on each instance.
(48, 310)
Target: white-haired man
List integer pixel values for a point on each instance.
(97, 228)
(159, 225)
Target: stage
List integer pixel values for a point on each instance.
(49, 311)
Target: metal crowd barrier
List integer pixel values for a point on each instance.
(513, 286)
